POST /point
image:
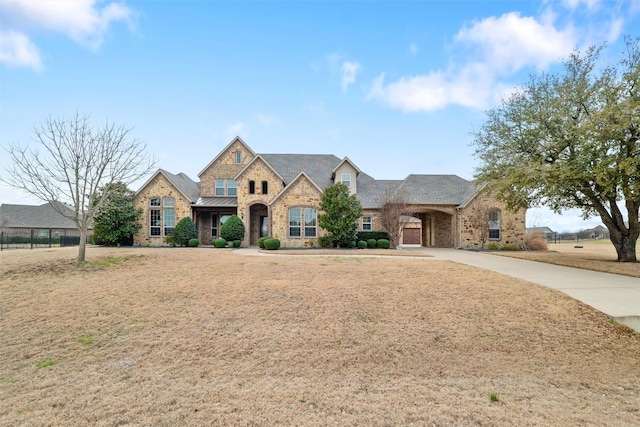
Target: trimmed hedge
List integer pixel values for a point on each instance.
(193, 243)
(261, 242)
(352, 244)
(383, 243)
(366, 235)
(371, 243)
(362, 244)
(272, 244)
(219, 243)
(237, 243)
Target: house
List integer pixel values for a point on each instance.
(597, 232)
(279, 195)
(29, 217)
(545, 231)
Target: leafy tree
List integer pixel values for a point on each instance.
(341, 213)
(184, 231)
(232, 229)
(116, 221)
(570, 139)
(75, 160)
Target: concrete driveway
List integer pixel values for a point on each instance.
(615, 295)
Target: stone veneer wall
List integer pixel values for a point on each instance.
(159, 186)
(301, 193)
(224, 167)
(512, 224)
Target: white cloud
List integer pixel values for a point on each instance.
(83, 21)
(16, 50)
(349, 71)
(237, 129)
(498, 47)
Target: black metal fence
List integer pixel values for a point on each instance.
(38, 238)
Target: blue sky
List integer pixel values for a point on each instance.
(398, 87)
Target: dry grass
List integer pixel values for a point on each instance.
(592, 255)
(535, 242)
(208, 337)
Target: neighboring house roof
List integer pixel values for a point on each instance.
(543, 230)
(27, 216)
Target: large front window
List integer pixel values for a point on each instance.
(162, 216)
(306, 216)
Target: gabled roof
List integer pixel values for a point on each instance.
(256, 159)
(189, 189)
(345, 160)
(233, 141)
(28, 216)
(317, 167)
(297, 178)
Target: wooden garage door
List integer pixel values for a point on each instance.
(410, 236)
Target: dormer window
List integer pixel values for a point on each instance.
(345, 178)
(238, 157)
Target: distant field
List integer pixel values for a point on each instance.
(198, 336)
(598, 255)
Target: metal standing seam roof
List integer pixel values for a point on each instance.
(28, 216)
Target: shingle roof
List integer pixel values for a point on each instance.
(27, 216)
(188, 187)
(317, 167)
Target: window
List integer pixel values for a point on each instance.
(346, 179)
(238, 157)
(265, 187)
(214, 225)
(162, 219)
(294, 222)
(296, 219)
(366, 223)
(219, 187)
(252, 187)
(309, 222)
(231, 187)
(169, 220)
(154, 222)
(494, 224)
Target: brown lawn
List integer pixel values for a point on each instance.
(208, 337)
(598, 255)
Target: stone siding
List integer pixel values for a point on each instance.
(224, 167)
(300, 193)
(512, 224)
(159, 186)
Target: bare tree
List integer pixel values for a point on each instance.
(394, 206)
(71, 160)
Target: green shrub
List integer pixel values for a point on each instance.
(219, 243)
(232, 229)
(184, 231)
(237, 243)
(362, 244)
(261, 242)
(352, 244)
(371, 243)
(325, 242)
(383, 243)
(193, 243)
(272, 244)
(366, 235)
(169, 240)
(493, 246)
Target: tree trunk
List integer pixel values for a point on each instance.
(82, 249)
(625, 245)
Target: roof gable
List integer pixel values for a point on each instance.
(188, 188)
(345, 160)
(317, 167)
(256, 159)
(292, 184)
(234, 141)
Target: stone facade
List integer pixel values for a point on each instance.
(158, 186)
(264, 194)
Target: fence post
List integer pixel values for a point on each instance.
(31, 240)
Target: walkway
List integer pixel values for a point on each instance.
(615, 295)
